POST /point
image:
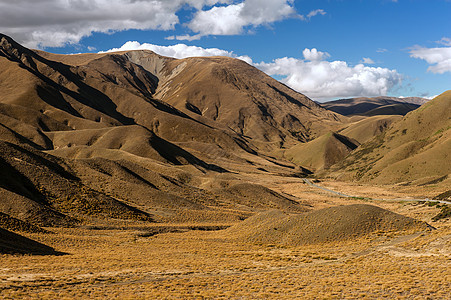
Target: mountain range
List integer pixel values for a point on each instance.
(137, 136)
(365, 106)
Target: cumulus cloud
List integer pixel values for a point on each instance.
(178, 51)
(231, 19)
(313, 76)
(439, 58)
(236, 18)
(321, 79)
(314, 54)
(54, 23)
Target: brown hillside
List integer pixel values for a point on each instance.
(338, 223)
(374, 106)
(322, 152)
(42, 189)
(415, 149)
(120, 136)
(210, 107)
(367, 128)
(227, 91)
(9, 223)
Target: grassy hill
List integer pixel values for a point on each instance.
(415, 149)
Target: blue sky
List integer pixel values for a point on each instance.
(326, 49)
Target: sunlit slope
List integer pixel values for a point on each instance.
(416, 148)
(322, 152)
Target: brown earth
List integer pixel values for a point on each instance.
(13, 243)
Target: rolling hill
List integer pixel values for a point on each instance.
(414, 150)
(339, 223)
(374, 106)
(322, 152)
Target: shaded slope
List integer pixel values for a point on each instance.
(44, 190)
(392, 109)
(322, 152)
(340, 223)
(13, 243)
(415, 148)
(257, 196)
(374, 106)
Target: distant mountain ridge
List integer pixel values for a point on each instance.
(375, 106)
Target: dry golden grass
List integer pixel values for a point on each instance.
(126, 264)
(196, 265)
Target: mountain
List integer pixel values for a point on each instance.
(375, 106)
(134, 135)
(415, 149)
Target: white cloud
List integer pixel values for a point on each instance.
(178, 51)
(314, 55)
(185, 37)
(438, 58)
(315, 13)
(236, 18)
(54, 23)
(367, 61)
(445, 41)
(321, 80)
(381, 50)
(312, 76)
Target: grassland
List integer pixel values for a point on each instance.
(124, 261)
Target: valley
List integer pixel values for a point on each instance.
(133, 175)
(125, 262)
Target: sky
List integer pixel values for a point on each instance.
(325, 49)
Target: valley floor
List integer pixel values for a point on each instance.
(131, 262)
